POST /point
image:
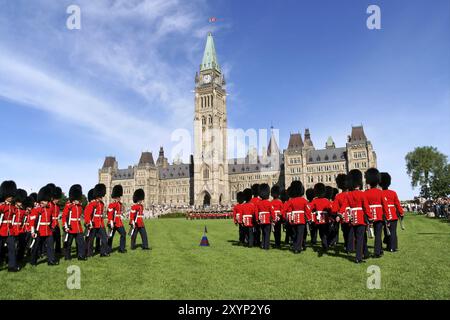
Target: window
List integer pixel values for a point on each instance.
(205, 174)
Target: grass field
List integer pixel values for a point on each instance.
(178, 268)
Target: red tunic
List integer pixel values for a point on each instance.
(115, 213)
(16, 226)
(71, 218)
(88, 212)
(320, 207)
(41, 221)
(278, 209)
(359, 207)
(7, 210)
(249, 212)
(237, 214)
(98, 215)
(340, 206)
(137, 215)
(299, 209)
(286, 211)
(54, 209)
(377, 203)
(394, 206)
(265, 212)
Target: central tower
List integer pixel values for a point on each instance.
(211, 183)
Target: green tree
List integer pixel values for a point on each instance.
(440, 185)
(422, 165)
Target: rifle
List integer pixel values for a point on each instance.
(133, 227)
(87, 230)
(37, 230)
(369, 227)
(68, 226)
(401, 223)
(1, 218)
(113, 224)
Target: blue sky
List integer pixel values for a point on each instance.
(123, 83)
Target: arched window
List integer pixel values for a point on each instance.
(210, 119)
(205, 173)
(203, 121)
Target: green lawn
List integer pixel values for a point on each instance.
(178, 268)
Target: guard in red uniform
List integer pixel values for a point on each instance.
(300, 214)
(265, 214)
(249, 212)
(289, 237)
(8, 190)
(378, 206)
(17, 229)
(115, 219)
(257, 227)
(41, 221)
(237, 216)
(332, 229)
(28, 205)
(71, 220)
(55, 210)
(312, 224)
(89, 210)
(320, 208)
(278, 213)
(342, 210)
(361, 215)
(137, 220)
(395, 211)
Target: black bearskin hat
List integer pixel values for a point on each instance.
(57, 194)
(90, 196)
(341, 181)
(355, 179)
(329, 192)
(264, 191)
(8, 189)
(284, 196)
(99, 190)
(138, 195)
(385, 180)
(255, 189)
(117, 191)
(310, 194)
(240, 197)
(275, 192)
(335, 192)
(75, 192)
(28, 203)
(34, 196)
(44, 194)
(20, 196)
(372, 176)
(247, 195)
(289, 192)
(319, 190)
(52, 188)
(297, 189)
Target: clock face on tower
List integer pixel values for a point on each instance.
(207, 78)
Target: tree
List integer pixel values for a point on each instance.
(422, 165)
(440, 186)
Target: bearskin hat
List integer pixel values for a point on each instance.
(385, 180)
(355, 179)
(117, 191)
(329, 192)
(275, 192)
(319, 190)
(335, 192)
(248, 195)
(52, 188)
(264, 191)
(44, 194)
(28, 203)
(255, 189)
(310, 194)
(20, 196)
(284, 195)
(58, 193)
(297, 189)
(289, 192)
(34, 196)
(75, 192)
(240, 197)
(372, 177)
(8, 189)
(99, 190)
(138, 195)
(90, 196)
(341, 181)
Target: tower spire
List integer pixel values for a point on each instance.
(209, 60)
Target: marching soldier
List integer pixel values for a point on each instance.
(320, 208)
(300, 214)
(255, 200)
(237, 216)
(341, 208)
(378, 207)
(115, 219)
(264, 214)
(88, 223)
(360, 214)
(71, 219)
(312, 226)
(137, 220)
(395, 210)
(54, 208)
(249, 212)
(8, 190)
(289, 237)
(28, 205)
(278, 213)
(17, 227)
(41, 227)
(332, 229)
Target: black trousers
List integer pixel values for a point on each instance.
(10, 241)
(249, 232)
(35, 251)
(98, 234)
(144, 239)
(349, 239)
(22, 241)
(57, 239)
(313, 228)
(257, 236)
(324, 234)
(378, 230)
(334, 233)
(123, 236)
(392, 239)
(80, 245)
(277, 233)
(241, 234)
(289, 233)
(361, 242)
(266, 228)
(299, 231)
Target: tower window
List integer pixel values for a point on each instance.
(205, 174)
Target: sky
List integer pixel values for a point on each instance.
(123, 83)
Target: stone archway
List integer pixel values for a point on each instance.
(206, 199)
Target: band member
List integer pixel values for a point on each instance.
(71, 220)
(378, 206)
(278, 213)
(395, 211)
(312, 226)
(8, 190)
(320, 208)
(341, 208)
(54, 208)
(300, 214)
(249, 212)
(255, 200)
(237, 216)
(264, 214)
(41, 221)
(115, 219)
(137, 220)
(17, 227)
(361, 215)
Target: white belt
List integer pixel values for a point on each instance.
(17, 223)
(247, 215)
(140, 215)
(6, 221)
(391, 205)
(277, 211)
(98, 215)
(319, 212)
(44, 223)
(356, 209)
(376, 206)
(264, 212)
(299, 211)
(75, 219)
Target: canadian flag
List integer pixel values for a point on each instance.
(212, 19)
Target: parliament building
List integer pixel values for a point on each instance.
(210, 178)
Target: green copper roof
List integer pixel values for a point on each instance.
(209, 56)
(330, 141)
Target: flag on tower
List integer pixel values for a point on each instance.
(212, 19)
